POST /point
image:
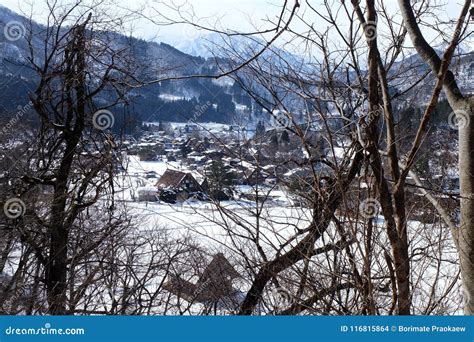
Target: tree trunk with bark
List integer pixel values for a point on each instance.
(463, 108)
(74, 89)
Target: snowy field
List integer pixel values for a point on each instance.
(234, 223)
(211, 127)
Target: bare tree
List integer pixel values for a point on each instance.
(463, 106)
(355, 75)
(335, 142)
(72, 164)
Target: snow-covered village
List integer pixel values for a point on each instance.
(280, 169)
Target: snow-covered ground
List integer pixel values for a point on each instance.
(137, 175)
(234, 224)
(171, 97)
(204, 218)
(434, 271)
(212, 127)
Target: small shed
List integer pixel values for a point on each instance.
(147, 194)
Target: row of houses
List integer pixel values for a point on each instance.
(249, 162)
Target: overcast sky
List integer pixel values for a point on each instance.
(242, 15)
(234, 14)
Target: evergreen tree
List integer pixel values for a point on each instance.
(285, 137)
(260, 129)
(221, 181)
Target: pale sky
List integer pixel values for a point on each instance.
(233, 14)
(241, 15)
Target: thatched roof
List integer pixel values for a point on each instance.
(215, 283)
(219, 267)
(171, 179)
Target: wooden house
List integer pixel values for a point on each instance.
(176, 185)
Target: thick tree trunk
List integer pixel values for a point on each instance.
(393, 205)
(466, 231)
(56, 269)
(74, 81)
(464, 108)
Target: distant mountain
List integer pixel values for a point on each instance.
(408, 70)
(167, 101)
(216, 44)
(220, 45)
(202, 99)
